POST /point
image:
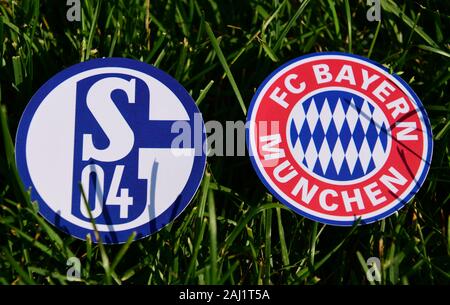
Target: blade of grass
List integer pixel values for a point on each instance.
(225, 66)
(19, 32)
(269, 52)
(87, 54)
(229, 273)
(267, 246)
(290, 24)
(243, 222)
(306, 271)
(212, 237)
(122, 251)
(17, 68)
(204, 195)
(443, 131)
(19, 190)
(372, 44)
(114, 40)
(1, 40)
(204, 92)
(54, 237)
(155, 48)
(335, 17)
(349, 25)
(272, 17)
(196, 248)
(434, 50)
(46, 250)
(313, 244)
(363, 265)
(105, 260)
(448, 235)
(182, 60)
(390, 6)
(284, 251)
(16, 265)
(160, 58)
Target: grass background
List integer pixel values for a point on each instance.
(233, 231)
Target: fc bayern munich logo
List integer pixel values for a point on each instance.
(339, 139)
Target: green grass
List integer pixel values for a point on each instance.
(233, 232)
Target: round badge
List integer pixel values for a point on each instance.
(100, 141)
(339, 139)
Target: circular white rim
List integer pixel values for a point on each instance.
(261, 168)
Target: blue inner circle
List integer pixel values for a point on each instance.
(335, 136)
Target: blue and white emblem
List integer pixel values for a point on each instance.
(339, 135)
(100, 134)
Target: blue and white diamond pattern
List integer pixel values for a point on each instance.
(338, 135)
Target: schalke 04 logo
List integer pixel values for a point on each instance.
(339, 139)
(95, 143)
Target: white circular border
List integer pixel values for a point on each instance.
(281, 193)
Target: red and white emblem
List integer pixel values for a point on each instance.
(336, 138)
